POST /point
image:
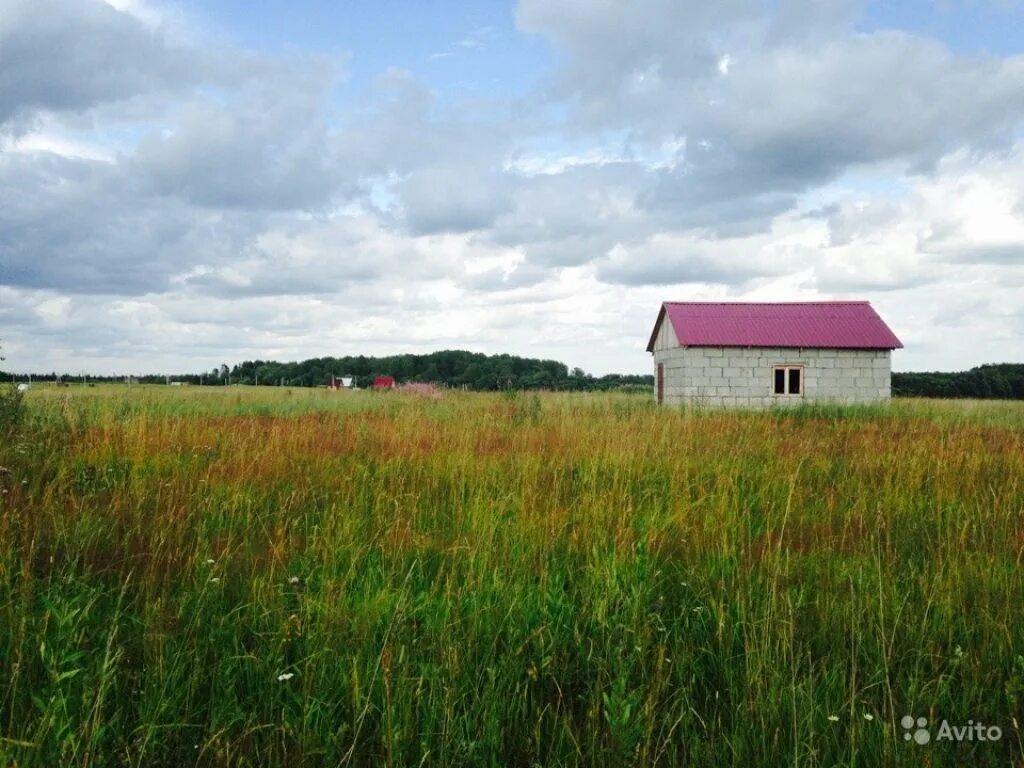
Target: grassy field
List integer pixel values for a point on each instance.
(228, 576)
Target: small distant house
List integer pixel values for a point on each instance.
(384, 382)
(763, 354)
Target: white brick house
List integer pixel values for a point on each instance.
(763, 354)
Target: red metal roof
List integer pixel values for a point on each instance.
(829, 324)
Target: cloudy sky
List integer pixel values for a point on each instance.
(186, 183)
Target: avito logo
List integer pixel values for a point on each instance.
(917, 729)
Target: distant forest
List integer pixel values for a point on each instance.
(1001, 380)
(472, 370)
(452, 368)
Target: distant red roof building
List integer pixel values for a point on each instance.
(384, 382)
(805, 325)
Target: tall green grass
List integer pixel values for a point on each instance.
(270, 577)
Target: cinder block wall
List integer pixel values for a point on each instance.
(741, 376)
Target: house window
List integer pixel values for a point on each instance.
(789, 380)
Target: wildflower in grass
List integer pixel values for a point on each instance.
(284, 677)
(833, 718)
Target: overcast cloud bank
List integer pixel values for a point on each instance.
(171, 198)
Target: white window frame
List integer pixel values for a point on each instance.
(787, 367)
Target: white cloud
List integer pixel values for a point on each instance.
(184, 202)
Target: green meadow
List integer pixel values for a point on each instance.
(282, 577)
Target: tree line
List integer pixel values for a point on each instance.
(449, 368)
(997, 380)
